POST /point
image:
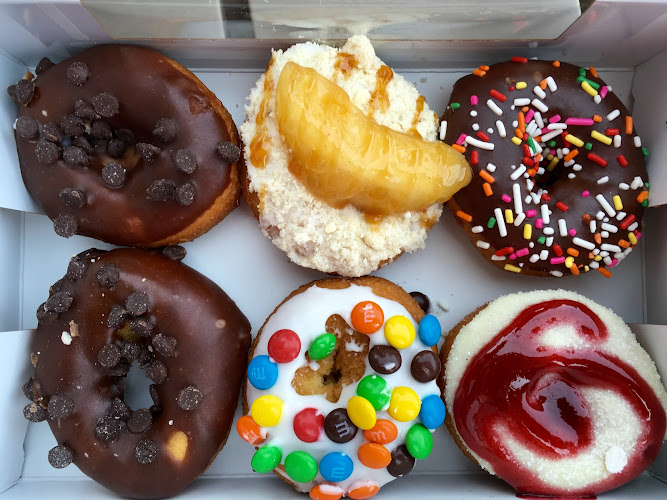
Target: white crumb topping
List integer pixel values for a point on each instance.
(311, 232)
(617, 426)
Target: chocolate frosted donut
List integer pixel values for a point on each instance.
(560, 183)
(123, 144)
(552, 393)
(129, 305)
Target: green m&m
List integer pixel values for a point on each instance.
(375, 390)
(419, 441)
(266, 459)
(300, 467)
(322, 346)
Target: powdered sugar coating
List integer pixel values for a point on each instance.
(312, 233)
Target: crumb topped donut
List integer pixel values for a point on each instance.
(127, 305)
(124, 145)
(560, 183)
(324, 232)
(552, 393)
(341, 396)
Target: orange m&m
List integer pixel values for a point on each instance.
(249, 431)
(326, 492)
(361, 491)
(383, 432)
(367, 317)
(374, 456)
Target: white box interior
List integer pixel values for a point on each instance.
(236, 256)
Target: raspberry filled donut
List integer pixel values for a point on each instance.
(115, 308)
(124, 145)
(560, 183)
(342, 167)
(552, 393)
(341, 396)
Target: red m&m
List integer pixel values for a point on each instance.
(284, 346)
(308, 425)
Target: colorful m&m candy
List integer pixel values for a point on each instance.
(336, 466)
(262, 372)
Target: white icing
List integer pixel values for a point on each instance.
(306, 314)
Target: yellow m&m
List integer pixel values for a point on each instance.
(266, 410)
(361, 412)
(399, 332)
(404, 404)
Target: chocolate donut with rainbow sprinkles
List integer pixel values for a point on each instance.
(560, 183)
(341, 395)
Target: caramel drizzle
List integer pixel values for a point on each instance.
(379, 98)
(260, 144)
(345, 63)
(415, 121)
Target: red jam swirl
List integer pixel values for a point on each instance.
(532, 391)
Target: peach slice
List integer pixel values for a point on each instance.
(343, 157)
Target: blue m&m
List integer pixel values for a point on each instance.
(429, 330)
(336, 466)
(432, 412)
(262, 372)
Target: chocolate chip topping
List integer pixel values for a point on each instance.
(422, 300)
(121, 369)
(425, 366)
(75, 157)
(165, 130)
(44, 316)
(152, 390)
(125, 135)
(83, 109)
(78, 73)
(339, 427)
(114, 174)
(119, 410)
(157, 372)
(72, 197)
(46, 152)
(185, 194)
(107, 429)
(140, 421)
(28, 389)
(165, 346)
(145, 358)
(11, 90)
(137, 303)
(175, 252)
(99, 145)
(59, 302)
(109, 355)
(101, 130)
(33, 412)
(142, 326)
(228, 152)
(105, 104)
(52, 132)
(146, 451)
(384, 359)
(189, 398)
(130, 349)
(108, 275)
(25, 90)
(60, 457)
(82, 142)
(401, 461)
(27, 127)
(117, 316)
(116, 148)
(56, 287)
(147, 151)
(65, 226)
(76, 269)
(72, 125)
(43, 64)
(60, 406)
(161, 190)
(185, 161)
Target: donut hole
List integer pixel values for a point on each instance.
(137, 384)
(345, 366)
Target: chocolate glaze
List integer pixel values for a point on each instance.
(212, 339)
(569, 100)
(148, 86)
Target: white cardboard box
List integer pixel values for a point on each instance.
(625, 40)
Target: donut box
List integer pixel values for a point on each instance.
(624, 40)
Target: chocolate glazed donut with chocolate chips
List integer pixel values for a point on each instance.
(123, 144)
(130, 305)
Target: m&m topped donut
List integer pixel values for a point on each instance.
(341, 395)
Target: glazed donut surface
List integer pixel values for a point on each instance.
(130, 305)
